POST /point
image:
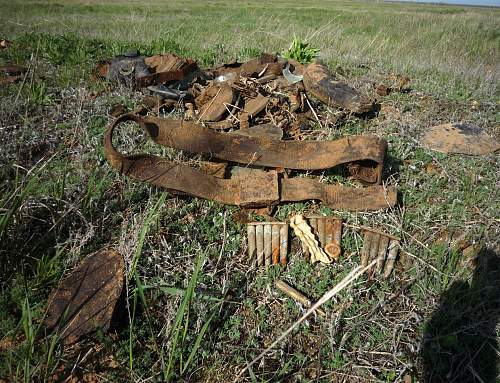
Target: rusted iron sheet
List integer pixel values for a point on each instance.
(133, 69)
(265, 65)
(265, 130)
(262, 189)
(267, 243)
(166, 62)
(260, 151)
(163, 77)
(319, 82)
(338, 196)
(460, 138)
(84, 301)
(214, 102)
(254, 106)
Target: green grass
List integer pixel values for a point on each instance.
(194, 311)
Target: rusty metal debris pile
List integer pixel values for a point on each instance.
(246, 120)
(236, 95)
(250, 123)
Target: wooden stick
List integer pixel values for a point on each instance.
(351, 277)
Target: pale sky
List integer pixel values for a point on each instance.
(465, 2)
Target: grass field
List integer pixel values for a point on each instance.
(193, 309)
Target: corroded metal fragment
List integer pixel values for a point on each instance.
(319, 82)
(254, 106)
(265, 187)
(214, 102)
(84, 301)
(459, 138)
(261, 151)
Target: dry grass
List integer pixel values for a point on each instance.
(438, 304)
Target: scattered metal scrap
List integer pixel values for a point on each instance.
(297, 295)
(85, 300)
(12, 73)
(241, 97)
(268, 243)
(459, 138)
(380, 246)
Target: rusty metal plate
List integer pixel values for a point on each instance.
(459, 138)
(84, 301)
(261, 151)
(263, 188)
(214, 101)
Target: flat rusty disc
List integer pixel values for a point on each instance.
(459, 138)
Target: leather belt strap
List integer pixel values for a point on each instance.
(263, 188)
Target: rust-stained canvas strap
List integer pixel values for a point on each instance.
(262, 189)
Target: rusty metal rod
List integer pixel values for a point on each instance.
(297, 295)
